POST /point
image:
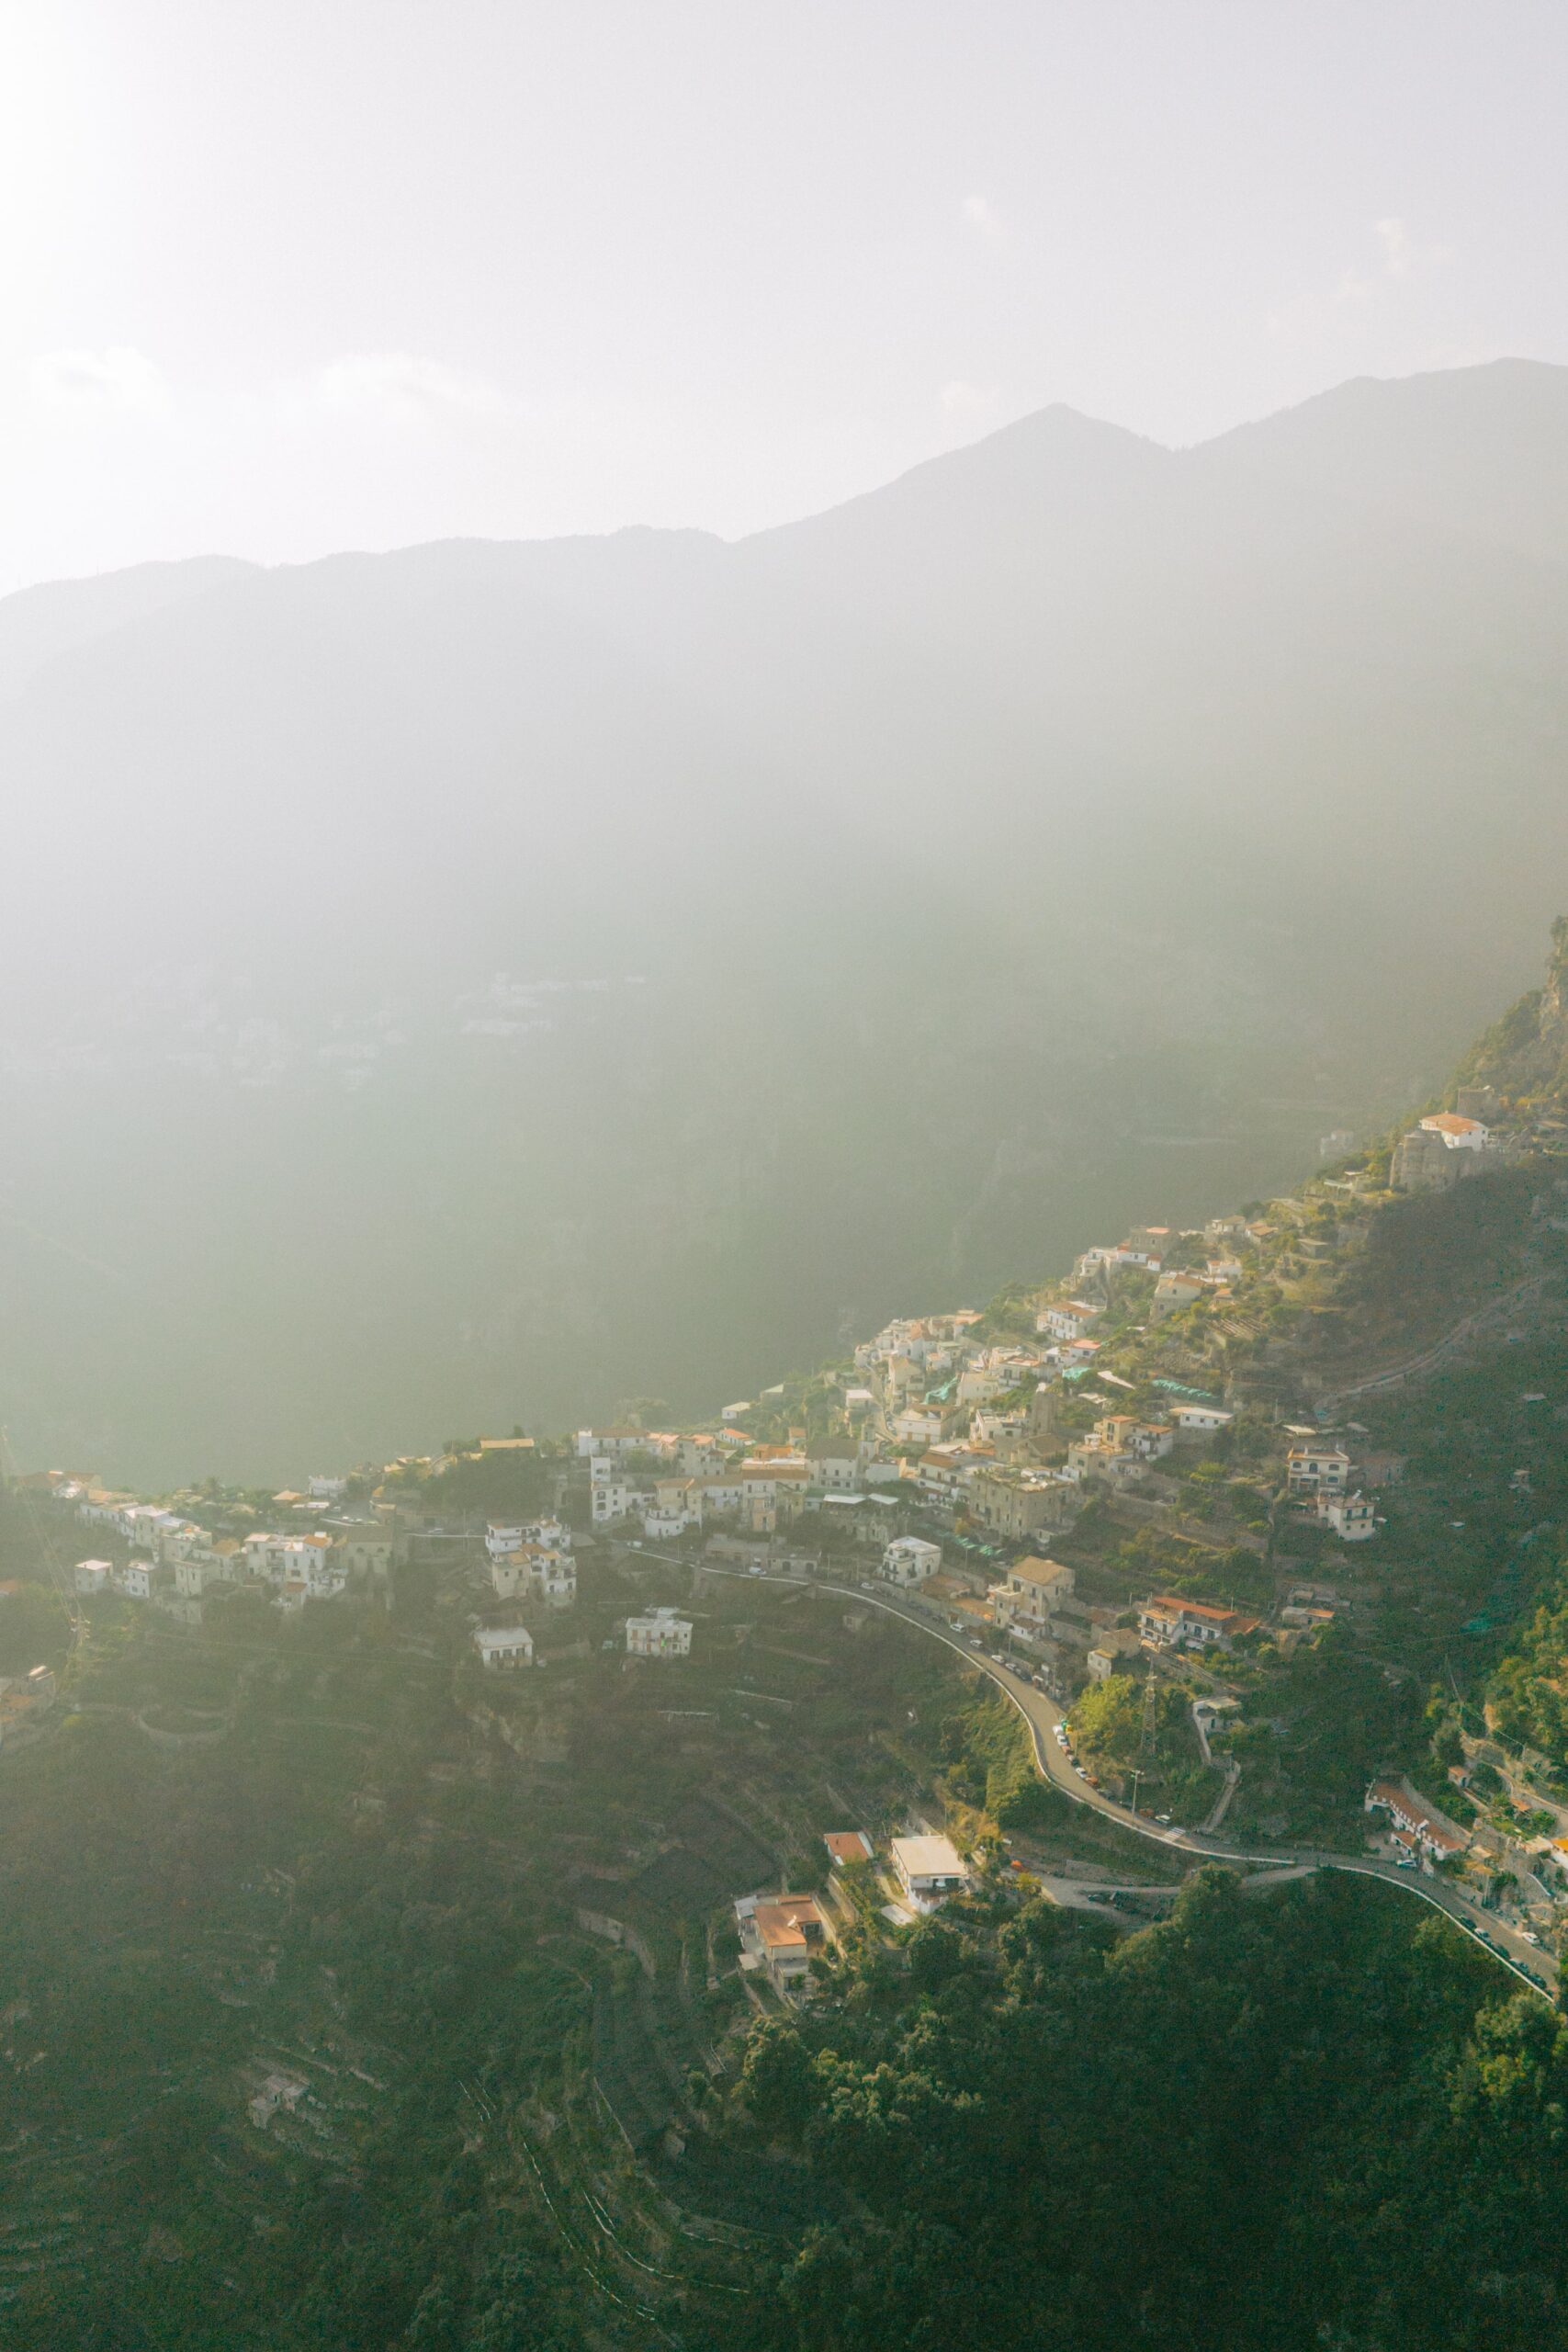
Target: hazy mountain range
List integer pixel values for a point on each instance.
(489, 981)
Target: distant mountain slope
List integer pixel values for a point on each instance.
(39, 623)
(1479, 452)
(1070, 822)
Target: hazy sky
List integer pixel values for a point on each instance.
(285, 275)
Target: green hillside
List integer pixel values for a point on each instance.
(352, 1998)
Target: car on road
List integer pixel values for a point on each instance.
(754, 1570)
(1164, 1820)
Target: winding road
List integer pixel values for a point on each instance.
(1042, 1713)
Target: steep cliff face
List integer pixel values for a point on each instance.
(1554, 995)
(1527, 1052)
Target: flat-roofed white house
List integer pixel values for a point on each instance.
(1200, 1421)
(91, 1576)
(1351, 1516)
(660, 1634)
(910, 1560)
(504, 1647)
(1068, 1318)
(929, 1870)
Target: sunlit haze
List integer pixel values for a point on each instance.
(281, 278)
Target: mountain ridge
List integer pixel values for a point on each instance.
(950, 845)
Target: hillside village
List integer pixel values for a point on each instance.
(1149, 1468)
(1245, 1519)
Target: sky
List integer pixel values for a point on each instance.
(284, 277)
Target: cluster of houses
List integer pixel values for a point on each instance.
(946, 1428)
(1318, 1483)
(658, 1633)
(172, 1561)
(532, 1559)
(781, 1934)
(940, 1423)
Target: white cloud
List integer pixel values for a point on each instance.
(1403, 257)
(983, 217)
(115, 378)
(1320, 317)
(397, 386)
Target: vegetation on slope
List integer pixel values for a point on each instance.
(1276, 2122)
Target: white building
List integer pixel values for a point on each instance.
(660, 1633)
(193, 1574)
(503, 1537)
(1351, 1516)
(287, 1558)
(1457, 1134)
(135, 1580)
(326, 1490)
(1172, 1292)
(836, 1472)
(610, 1494)
(910, 1560)
(1167, 1621)
(536, 1570)
(1200, 1421)
(365, 1555)
(918, 1425)
(1030, 1592)
(504, 1646)
(1069, 1318)
(1317, 1470)
(185, 1542)
(552, 1531)
(1419, 1827)
(91, 1576)
(928, 1871)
